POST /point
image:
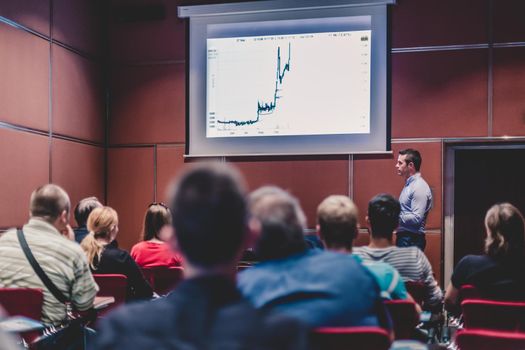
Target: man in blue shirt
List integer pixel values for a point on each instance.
(318, 287)
(415, 200)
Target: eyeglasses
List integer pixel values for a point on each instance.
(159, 203)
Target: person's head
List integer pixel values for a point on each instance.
(51, 203)
(383, 216)
(280, 223)
(505, 232)
(157, 223)
(408, 162)
(84, 208)
(209, 215)
(337, 219)
(102, 224)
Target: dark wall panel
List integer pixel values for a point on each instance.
(439, 94)
(78, 96)
(377, 174)
(508, 20)
(310, 180)
(25, 166)
(24, 82)
(130, 189)
(79, 169)
(170, 161)
(509, 91)
(33, 14)
(439, 22)
(148, 104)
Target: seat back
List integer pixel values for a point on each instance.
(112, 285)
(163, 279)
(404, 316)
(468, 291)
(478, 339)
(417, 290)
(22, 302)
(494, 315)
(349, 338)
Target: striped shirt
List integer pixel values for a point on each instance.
(62, 260)
(412, 265)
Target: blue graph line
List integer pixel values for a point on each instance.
(265, 108)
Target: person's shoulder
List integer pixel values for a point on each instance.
(474, 260)
(138, 247)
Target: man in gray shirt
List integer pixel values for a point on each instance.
(415, 200)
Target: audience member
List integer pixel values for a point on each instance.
(337, 226)
(498, 273)
(319, 287)
(105, 258)
(154, 251)
(411, 262)
(61, 259)
(415, 200)
(82, 211)
(206, 311)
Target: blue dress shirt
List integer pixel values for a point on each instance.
(416, 202)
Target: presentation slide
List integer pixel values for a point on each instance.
(289, 84)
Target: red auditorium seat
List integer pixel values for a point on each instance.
(162, 279)
(404, 317)
(417, 290)
(468, 291)
(22, 302)
(112, 285)
(478, 339)
(495, 315)
(350, 338)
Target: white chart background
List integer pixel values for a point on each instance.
(326, 91)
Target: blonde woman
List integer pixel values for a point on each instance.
(106, 258)
(157, 231)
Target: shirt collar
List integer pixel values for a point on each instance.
(413, 178)
(42, 225)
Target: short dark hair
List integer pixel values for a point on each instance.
(383, 214)
(209, 214)
(282, 221)
(337, 216)
(412, 156)
(48, 202)
(84, 207)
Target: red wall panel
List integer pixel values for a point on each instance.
(170, 161)
(33, 14)
(377, 174)
(439, 94)
(439, 22)
(310, 180)
(25, 166)
(79, 169)
(78, 96)
(24, 83)
(148, 104)
(130, 189)
(79, 24)
(508, 20)
(148, 40)
(509, 91)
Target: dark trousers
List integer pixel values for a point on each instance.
(410, 239)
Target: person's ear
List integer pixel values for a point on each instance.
(64, 217)
(254, 232)
(318, 230)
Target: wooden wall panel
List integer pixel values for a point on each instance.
(78, 96)
(439, 22)
(130, 189)
(147, 40)
(80, 24)
(25, 166)
(509, 91)
(33, 14)
(310, 180)
(148, 104)
(377, 174)
(434, 255)
(24, 83)
(79, 169)
(170, 161)
(508, 20)
(439, 94)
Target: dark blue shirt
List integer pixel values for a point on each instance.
(320, 288)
